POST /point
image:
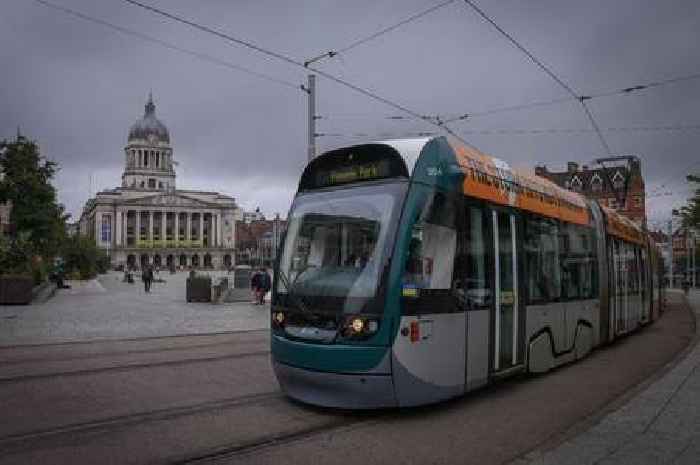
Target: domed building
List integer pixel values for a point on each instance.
(148, 220)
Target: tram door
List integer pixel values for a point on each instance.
(507, 311)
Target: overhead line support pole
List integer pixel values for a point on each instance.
(670, 250)
(311, 91)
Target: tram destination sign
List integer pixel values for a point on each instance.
(367, 162)
(353, 173)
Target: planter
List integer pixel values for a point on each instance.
(16, 290)
(198, 289)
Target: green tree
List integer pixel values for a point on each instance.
(81, 255)
(26, 182)
(691, 212)
(15, 255)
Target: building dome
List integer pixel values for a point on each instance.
(149, 126)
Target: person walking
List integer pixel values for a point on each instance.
(265, 285)
(147, 277)
(255, 286)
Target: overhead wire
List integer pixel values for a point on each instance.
(684, 172)
(381, 32)
(435, 120)
(467, 116)
(515, 131)
(517, 44)
(168, 45)
(384, 135)
(294, 62)
(547, 70)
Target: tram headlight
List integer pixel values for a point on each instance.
(278, 318)
(359, 327)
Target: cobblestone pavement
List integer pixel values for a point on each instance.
(106, 307)
(213, 398)
(660, 425)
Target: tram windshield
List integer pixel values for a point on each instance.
(336, 245)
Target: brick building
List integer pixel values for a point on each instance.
(257, 241)
(620, 187)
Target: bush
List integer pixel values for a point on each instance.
(39, 273)
(102, 263)
(82, 258)
(15, 256)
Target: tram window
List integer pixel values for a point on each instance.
(335, 244)
(637, 273)
(431, 249)
(472, 280)
(591, 247)
(542, 260)
(577, 262)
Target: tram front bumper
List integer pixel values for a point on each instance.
(350, 391)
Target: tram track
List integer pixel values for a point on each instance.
(90, 356)
(108, 340)
(278, 440)
(129, 366)
(14, 443)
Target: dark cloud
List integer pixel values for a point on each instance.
(76, 87)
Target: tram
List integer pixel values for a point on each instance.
(416, 270)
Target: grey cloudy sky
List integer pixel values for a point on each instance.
(76, 87)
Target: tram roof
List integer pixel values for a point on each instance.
(622, 227)
(493, 179)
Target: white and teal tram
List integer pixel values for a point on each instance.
(416, 270)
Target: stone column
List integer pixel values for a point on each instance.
(118, 228)
(122, 228)
(214, 230)
(138, 227)
(163, 225)
(188, 232)
(201, 228)
(219, 231)
(176, 227)
(150, 226)
(98, 224)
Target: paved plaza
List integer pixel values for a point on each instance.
(106, 307)
(660, 425)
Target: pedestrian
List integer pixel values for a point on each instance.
(265, 285)
(147, 277)
(255, 286)
(686, 285)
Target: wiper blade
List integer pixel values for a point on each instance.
(297, 299)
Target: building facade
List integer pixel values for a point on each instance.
(147, 220)
(257, 215)
(258, 241)
(620, 187)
